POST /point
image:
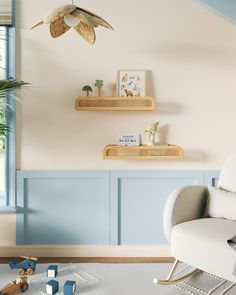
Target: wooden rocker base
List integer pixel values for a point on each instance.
(170, 281)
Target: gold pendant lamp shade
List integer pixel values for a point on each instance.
(64, 17)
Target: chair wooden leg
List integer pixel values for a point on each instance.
(169, 280)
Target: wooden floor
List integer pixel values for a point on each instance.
(95, 259)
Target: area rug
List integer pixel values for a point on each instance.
(204, 283)
(70, 272)
(129, 279)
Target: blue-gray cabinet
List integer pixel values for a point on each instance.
(97, 207)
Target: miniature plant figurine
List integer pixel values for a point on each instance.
(99, 84)
(152, 131)
(88, 89)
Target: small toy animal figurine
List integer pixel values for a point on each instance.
(99, 84)
(52, 271)
(152, 131)
(25, 267)
(15, 287)
(88, 89)
(128, 93)
(52, 287)
(69, 287)
(125, 78)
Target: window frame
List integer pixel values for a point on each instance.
(10, 161)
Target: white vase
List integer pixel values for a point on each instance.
(153, 139)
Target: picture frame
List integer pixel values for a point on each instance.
(129, 139)
(131, 83)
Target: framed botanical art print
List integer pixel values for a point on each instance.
(131, 83)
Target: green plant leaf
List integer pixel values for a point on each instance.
(99, 83)
(4, 129)
(7, 88)
(11, 84)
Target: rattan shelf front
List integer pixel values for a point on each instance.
(143, 152)
(114, 103)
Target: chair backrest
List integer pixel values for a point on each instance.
(227, 179)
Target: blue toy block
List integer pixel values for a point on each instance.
(69, 287)
(52, 271)
(52, 287)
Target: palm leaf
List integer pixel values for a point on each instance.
(4, 129)
(6, 89)
(11, 84)
(6, 86)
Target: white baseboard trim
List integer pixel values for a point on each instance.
(86, 251)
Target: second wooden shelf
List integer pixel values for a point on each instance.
(143, 152)
(114, 103)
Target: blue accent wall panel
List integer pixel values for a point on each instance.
(137, 202)
(224, 8)
(63, 208)
(97, 207)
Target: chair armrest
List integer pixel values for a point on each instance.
(184, 204)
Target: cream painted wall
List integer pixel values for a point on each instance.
(7, 230)
(189, 53)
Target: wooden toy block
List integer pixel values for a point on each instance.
(52, 287)
(52, 271)
(69, 287)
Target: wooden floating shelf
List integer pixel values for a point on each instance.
(114, 103)
(143, 152)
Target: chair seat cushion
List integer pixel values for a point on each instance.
(202, 243)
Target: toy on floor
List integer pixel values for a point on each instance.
(52, 271)
(15, 287)
(25, 267)
(52, 287)
(69, 287)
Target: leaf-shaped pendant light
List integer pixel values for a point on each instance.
(64, 17)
